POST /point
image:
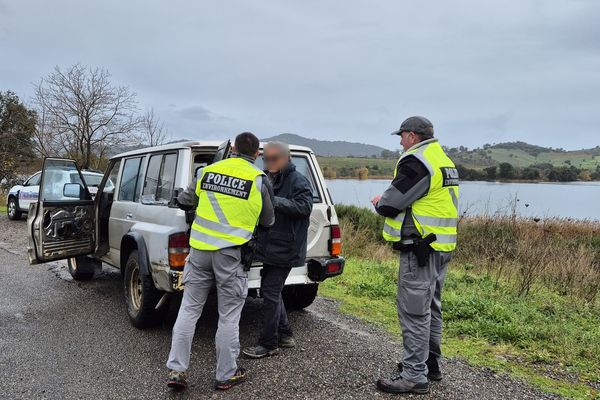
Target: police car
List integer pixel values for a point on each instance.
(21, 196)
(136, 226)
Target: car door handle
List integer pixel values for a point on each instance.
(129, 215)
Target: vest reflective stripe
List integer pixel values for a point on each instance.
(229, 205)
(437, 211)
(207, 241)
(433, 221)
(217, 208)
(219, 227)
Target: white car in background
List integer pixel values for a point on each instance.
(21, 196)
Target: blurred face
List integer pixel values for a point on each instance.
(408, 140)
(275, 159)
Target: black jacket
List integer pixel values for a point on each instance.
(284, 244)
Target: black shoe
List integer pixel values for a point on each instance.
(287, 342)
(398, 385)
(240, 376)
(433, 374)
(177, 380)
(259, 352)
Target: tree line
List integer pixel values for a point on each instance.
(537, 172)
(75, 112)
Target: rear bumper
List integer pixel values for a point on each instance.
(320, 269)
(315, 270)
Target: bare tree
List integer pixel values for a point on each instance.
(153, 130)
(83, 114)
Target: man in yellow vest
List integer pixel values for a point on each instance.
(421, 210)
(230, 196)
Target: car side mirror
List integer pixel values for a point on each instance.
(72, 190)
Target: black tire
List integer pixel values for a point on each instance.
(141, 296)
(82, 268)
(297, 297)
(12, 209)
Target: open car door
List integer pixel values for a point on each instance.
(223, 151)
(62, 223)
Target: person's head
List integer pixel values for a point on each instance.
(414, 130)
(246, 144)
(276, 156)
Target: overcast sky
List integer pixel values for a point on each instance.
(482, 71)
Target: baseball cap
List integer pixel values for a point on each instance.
(416, 124)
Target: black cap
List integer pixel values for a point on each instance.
(420, 125)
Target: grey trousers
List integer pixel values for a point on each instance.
(420, 311)
(202, 270)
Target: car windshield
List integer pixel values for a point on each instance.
(92, 179)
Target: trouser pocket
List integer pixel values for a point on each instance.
(414, 297)
(241, 284)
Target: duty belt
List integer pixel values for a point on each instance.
(420, 247)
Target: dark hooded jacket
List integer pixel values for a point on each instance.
(284, 244)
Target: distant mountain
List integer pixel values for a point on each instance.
(337, 148)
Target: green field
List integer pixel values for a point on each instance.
(521, 297)
(520, 158)
(545, 339)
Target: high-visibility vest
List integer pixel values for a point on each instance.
(437, 211)
(229, 205)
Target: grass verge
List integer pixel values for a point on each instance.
(545, 338)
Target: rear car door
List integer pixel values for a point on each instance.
(223, 151)
(318, 231)
(62, 223)
(126, 200)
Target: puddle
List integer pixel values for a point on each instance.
(60, 269)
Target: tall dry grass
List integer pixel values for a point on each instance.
(559, 254)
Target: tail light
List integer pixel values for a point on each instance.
(334, 268)
(335, 243)
(179, 248)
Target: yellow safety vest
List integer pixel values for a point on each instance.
(229, 205)
(437, 211)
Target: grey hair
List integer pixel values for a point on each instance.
(284, 148)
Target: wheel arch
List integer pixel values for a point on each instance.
(135, 241)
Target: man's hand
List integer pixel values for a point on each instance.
(375, 200)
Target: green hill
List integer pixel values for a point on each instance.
(521, 155)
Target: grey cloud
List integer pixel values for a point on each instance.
(481, 71)
(198, 113)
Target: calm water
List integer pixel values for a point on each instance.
(572, 200)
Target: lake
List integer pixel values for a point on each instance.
(580, 200)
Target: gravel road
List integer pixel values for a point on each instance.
(61, 339)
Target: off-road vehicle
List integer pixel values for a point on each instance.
(134, 224)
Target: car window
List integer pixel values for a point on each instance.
(129, 179)
(302, 166)
(92, 179)
(160, 177)
(59, 177)
(34, 180)
(109, 186)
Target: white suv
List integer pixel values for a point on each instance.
(136, 226)
(21, 196)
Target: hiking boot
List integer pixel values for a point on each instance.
(398, 385)
(259, 352)
(433, 374)
(287, 342)
(177, 380)
(240, 376)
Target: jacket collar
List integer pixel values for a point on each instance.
(243, 157)
(285, 171)
(421, 144)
